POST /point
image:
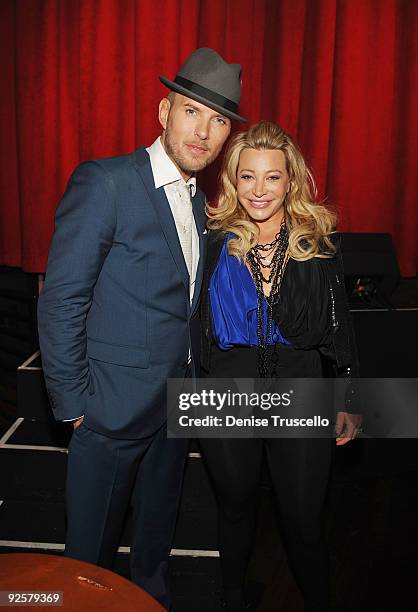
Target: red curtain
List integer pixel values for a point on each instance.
(79, 80)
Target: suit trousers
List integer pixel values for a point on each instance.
(299, 470)
(104, 477)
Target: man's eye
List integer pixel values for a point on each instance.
(190, 111)
(220, 120)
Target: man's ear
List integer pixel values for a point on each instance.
(163, 112)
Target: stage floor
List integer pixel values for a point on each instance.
(371, 527)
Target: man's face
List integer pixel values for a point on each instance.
(193, 133)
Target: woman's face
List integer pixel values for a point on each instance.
(262, 184)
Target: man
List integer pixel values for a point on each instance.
(117, 317)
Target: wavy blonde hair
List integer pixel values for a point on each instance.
(308, 221)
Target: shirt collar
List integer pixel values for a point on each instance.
(164, 170)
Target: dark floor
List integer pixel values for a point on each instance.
(371, 525)
(372, 508)
(371, 515)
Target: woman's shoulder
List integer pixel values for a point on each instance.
(314, 270)
(215, 242)
(215, 236)
(329, 253)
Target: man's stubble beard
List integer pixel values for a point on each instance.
(187, 166)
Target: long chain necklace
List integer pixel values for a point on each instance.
(266, 263)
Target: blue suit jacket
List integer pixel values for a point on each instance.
(114, 316)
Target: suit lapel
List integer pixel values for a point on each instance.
(162, 208)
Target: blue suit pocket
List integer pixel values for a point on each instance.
(135, 357)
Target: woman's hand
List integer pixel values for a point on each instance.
(347, 427)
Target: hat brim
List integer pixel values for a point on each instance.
(190, 94)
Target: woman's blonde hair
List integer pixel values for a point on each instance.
(309, 223)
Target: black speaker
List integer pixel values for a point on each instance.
(371, 268)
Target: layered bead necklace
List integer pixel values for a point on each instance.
(266, 263)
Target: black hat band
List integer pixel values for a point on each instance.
(203, 92)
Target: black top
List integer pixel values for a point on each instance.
(303, 312)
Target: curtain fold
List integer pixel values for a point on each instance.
(79, 80)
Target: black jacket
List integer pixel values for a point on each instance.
(343, 341)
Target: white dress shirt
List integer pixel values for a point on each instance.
(167, 175)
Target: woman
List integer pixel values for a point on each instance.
(273, 305)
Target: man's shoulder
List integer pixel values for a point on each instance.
(120, 162)
(117, 169)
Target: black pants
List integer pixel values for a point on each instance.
(299, 471)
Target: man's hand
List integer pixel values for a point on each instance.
(78, 422)
(347, 427)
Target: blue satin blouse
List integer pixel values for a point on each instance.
(233, 299)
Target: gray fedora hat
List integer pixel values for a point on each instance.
(208, 79)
